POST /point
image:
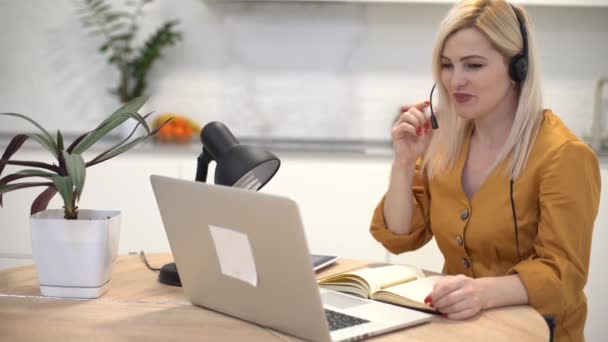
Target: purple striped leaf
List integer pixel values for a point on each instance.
(13, 147)
(50, 167)
(23, 174)
(42, 201)
(12, 187)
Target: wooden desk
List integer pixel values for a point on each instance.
(138, 308)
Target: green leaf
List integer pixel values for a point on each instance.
(113, 153)
(116, 27)
(141, 120)
(111, 17)
(113, 121)
(125, 36)
(95, 3)
(78, 140)
(65, 187)
(122, 149)
(132, 106)
(76, 170)
(7, 188)
(49, 145)
(150, 52)
(47, 137)
(101, 7)
(35, 172)
(100, 156)
(104, 47)
(59, 141)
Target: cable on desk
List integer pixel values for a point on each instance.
(142, 256)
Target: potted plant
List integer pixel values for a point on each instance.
(73, 249)
(119, 27)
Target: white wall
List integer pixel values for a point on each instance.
(316, 70)
(336, 193)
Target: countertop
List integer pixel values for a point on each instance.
(363, 148)
(305, 146)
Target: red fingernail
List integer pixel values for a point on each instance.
(445, 315)
(427, 300)
(427, 102)
(426, 125)
(418, 131)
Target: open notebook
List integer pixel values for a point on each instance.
(404, 285)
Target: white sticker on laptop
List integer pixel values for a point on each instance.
(234, 254)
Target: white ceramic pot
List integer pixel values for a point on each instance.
(75, 258)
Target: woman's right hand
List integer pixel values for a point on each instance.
(411, 134)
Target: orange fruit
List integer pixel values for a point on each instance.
(179, 121)
(179, 134)
(165, 133)
(188, 131)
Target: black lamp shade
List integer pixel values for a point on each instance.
(237, 165)
(246, 167)
(217, 139)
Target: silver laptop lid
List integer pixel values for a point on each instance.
(203, 221)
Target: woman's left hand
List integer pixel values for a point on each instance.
(457, 297)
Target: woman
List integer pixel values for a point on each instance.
(508, 192)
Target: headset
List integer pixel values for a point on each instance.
(518, 70)
(518, 66)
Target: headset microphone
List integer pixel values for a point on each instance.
(434, 123)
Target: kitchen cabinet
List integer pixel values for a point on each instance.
(564, 3)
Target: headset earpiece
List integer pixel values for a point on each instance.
(518, 67)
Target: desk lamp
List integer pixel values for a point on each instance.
(237, 165)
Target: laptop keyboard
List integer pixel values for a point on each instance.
(338, 320)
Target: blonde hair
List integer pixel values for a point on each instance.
(497, 21)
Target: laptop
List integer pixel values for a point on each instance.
(244, 254)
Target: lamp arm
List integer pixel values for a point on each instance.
(202, 166)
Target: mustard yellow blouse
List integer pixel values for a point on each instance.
(556, 200)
